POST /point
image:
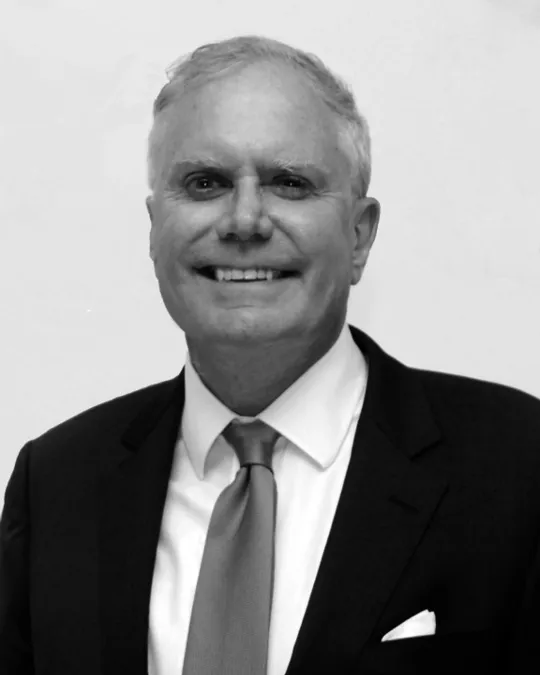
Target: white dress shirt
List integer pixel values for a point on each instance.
(316, 417)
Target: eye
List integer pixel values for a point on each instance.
(293, 187)
(204, 186)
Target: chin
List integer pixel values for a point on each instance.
(244, 328)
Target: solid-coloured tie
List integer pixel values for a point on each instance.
(230, 619)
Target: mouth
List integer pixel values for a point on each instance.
(239, 275)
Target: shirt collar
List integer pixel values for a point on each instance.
(314, 413)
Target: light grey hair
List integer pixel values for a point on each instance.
(218, 59)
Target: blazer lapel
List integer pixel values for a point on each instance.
(133, 488)
(385, 507)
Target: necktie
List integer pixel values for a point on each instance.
(230, 619)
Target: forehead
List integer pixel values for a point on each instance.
(261, 114)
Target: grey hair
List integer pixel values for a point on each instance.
(214, 60)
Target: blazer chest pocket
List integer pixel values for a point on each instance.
(474, 653)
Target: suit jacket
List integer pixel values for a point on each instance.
(440, 510)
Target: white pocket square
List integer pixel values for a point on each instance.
(420, 624)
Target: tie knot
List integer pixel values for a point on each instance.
(253, 442)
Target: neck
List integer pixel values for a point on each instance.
(248, 378)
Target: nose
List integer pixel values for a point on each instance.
(246, 218)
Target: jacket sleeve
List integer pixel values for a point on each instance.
(525, 654)
(16, 656)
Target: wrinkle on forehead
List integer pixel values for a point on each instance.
(260, 114)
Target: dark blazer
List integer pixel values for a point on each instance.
(440, 510)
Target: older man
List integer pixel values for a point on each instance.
(295, 501)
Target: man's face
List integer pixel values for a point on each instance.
(227, 203)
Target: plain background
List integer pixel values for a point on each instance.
(451, 90)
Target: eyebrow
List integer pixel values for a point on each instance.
(289, 165)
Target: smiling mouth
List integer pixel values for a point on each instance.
(229, 275)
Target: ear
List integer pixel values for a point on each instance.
(366, 214)
(149, 201)
(150, 206)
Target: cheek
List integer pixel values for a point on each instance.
(331, 252)
(168, 242)
(181, 226)
(333, 274)
(163, 245)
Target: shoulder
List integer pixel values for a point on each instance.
(479, 427)
(104, 423)
(453, 400)
(490, 432)
(479, 400)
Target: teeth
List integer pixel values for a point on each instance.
(227, 274)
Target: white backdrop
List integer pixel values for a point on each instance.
(451, 91)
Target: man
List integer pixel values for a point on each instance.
(137, 537)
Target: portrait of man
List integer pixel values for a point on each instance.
(295, 500)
